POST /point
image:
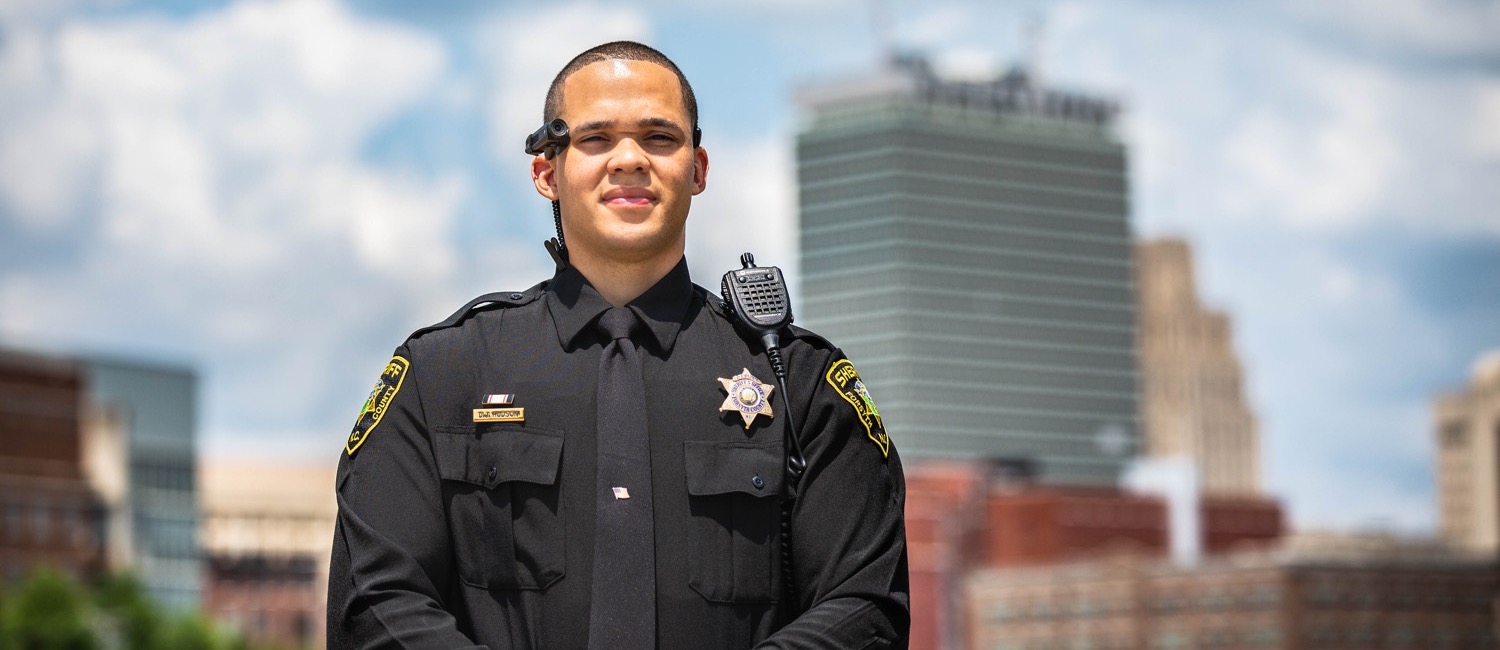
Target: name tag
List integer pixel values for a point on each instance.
(500, 415)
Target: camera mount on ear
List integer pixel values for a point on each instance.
(551, 138)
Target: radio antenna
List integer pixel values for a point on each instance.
(1033, 34)
(883, 25)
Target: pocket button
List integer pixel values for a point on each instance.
(758, 482)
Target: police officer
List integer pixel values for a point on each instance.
(600, 461)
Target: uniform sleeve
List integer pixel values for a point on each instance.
(848, 528)
(391, 553)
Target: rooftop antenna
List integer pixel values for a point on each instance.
(883, 24)
(1032, 35)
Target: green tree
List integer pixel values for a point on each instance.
(194, 633)
(52, 612)
(129, 614)
(49, 613)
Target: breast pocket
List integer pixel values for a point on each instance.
(734, 502)
(504, 517)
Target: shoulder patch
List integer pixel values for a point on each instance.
(380, 398)
(845, 379)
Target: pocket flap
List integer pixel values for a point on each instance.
(491, 455)
(725, 467)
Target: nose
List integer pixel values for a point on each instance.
(628, 157)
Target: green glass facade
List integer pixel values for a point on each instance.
(159, 404)
(969, 246)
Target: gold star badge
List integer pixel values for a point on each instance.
(748, 396)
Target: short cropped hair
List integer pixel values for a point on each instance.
(629, 51)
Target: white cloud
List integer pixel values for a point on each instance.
(1447, 26)
(524, 59)
(1271, 116)
(1484, 122)
(1321, 160)
(208, 173)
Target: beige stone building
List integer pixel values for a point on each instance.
(1468, 459)
(267, 531)
(1192, 395)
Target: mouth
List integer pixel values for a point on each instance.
(630, 197)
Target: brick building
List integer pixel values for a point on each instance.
(965, 516)
(50, 515)
(1354, 594)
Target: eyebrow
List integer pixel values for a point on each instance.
(660, 122)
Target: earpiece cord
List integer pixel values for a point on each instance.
(796, 464)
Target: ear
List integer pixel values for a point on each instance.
(700, 170)
(544, 176)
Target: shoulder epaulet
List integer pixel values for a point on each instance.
(804, 334)
(499, 298)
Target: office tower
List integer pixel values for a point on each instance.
(968, 244)
(143, 426)
(50, 516)
(1192, 396)
(1468, 460)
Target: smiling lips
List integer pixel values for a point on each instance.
(630, 197)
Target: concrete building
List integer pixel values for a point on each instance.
(141, 454)
(968, 244)
(1192, 394)
(266, 534)
(50, 515)
(1468, 460)
(1336, 593)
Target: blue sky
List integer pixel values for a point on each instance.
(278, 191)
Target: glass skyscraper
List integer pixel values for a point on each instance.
(968, 244)
(153, 409)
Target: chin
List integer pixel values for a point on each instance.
(643, 243)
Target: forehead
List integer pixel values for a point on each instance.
(620, 88)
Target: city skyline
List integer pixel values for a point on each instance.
(278, 192)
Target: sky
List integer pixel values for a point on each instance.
(275, 193)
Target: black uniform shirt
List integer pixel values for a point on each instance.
(453, 533)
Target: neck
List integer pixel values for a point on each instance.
(621, 282)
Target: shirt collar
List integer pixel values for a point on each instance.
(575, 305)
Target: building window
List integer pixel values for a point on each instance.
(1454, 434)
(1170, 640)
(14, 518)
(998, 613)
(41, 519)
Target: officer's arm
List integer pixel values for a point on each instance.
(391, 552)
(848, 531)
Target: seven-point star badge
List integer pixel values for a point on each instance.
(747, 395)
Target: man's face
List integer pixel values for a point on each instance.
(628, 177)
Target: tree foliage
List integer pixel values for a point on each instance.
(50, 611)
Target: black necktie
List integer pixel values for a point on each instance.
(623, 613)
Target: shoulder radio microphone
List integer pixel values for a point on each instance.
(757, 295)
